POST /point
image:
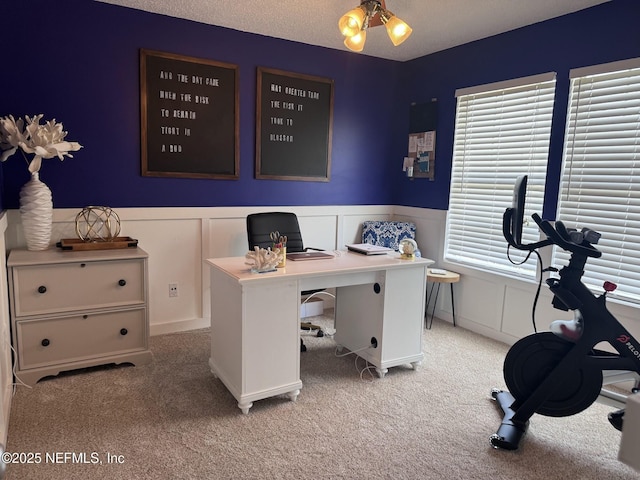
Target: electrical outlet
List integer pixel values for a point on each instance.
(173, 289)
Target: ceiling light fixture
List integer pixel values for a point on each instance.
(370, 13)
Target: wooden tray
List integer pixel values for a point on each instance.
(77, 244)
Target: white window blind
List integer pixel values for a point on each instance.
(600, 185)
(502, 131)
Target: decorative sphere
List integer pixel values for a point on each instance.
(97, 224)
(408, 248)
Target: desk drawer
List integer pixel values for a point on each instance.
(79, 337)
(77, 286)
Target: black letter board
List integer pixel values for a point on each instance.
(294, 118)
(189, 116)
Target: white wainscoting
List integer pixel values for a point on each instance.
(495, 306)
(178, 241)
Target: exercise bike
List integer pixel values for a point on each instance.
(560, 372)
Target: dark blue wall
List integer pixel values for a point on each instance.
(77, 61)
(601, 34)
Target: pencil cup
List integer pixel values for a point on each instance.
(283, 263)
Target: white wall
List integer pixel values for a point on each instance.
(178, 241)
(493, 305)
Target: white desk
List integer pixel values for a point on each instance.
(255, 318)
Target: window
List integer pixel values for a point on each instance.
(502, 131)
(600, 185)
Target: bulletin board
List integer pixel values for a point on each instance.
(189, 116)
(294, 119)
(422, 139)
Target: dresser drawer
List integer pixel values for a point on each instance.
(79, 337)
(39, 289)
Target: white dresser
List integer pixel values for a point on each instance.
(77, 309)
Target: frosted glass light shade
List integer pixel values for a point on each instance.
(351, 22)
(356, 42)
(397, 30)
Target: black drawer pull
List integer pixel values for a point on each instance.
(123, 331)
(45, 342)
(85, 316)
(42, 289)
(122, 282)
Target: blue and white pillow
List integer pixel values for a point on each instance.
(387, 233)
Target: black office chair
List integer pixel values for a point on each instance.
(259, 228)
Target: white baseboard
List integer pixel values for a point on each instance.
(179, 326)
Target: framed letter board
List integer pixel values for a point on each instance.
(189, 116)
(294, 118)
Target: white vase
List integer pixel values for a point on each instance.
(36, 210)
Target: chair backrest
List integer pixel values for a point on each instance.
(387, 233)
(260, 225)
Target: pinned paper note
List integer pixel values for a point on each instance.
(422, 153)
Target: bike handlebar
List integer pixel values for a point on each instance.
(559, 235)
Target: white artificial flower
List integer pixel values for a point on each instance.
(10, 136)
(43, 141)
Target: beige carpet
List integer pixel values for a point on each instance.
(173, 420)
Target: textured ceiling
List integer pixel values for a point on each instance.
(437, 24)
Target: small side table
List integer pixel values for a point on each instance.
(436, 277)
